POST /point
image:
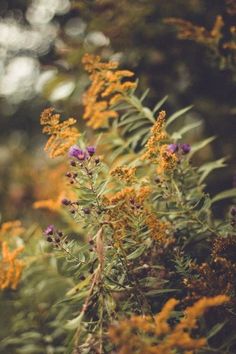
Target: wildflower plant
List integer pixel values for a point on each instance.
(146, 226)
(144, 262)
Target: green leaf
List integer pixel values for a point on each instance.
(207, 168)
(177, 114)
(148, 114)
(79, 286)
(139, 125)
(129, 119)
(75, 323)
(159, 104)
(216, 329)
(200, 145)
(144, 95)
(136, 253)
(178, 135)
(230, 193)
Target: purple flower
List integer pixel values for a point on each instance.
(91, 150)
(78, 153)
(49, 230)
(82, 156)
(173, 148)
(185, 148)
(74, 151)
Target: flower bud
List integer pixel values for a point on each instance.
(91, 150)
(65, 201)
(185, 148)
(173, 148)
(49, 230)
(86, 210)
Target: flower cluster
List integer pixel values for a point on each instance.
(81, 155)
(62, 134)
(155, 335)
(11, 229)
(157, 151)
(10, 267)
(186, 30)
(124, 173)
(160, 229)
(130, 201)
(107, 88)
(143, 232)
(182, 149)
(217, 276)
(221, 45)
(54, 236)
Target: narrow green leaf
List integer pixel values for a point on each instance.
(201, 144)
(136, 253)
(75, 323)
(230, 193)
(148, 114)
(144, 95)
(177, 114)
(186, 129)
(207, 168)
(216, 329)
(159, 104)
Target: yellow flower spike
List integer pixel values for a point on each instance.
(194, 312)
(10, 267)
(11, 229)
(132, 334)
(105, 90)
(124, 173)
(62, 134)
(162, 327)
(156, 150)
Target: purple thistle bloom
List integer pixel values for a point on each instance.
(173, 148)
(76, 152)
(49, 230)
(81, 155)
(91, 150)
(185, 148)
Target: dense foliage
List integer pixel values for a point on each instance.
(136, 261)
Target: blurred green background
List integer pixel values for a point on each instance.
(41, 45)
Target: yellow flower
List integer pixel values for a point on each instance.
(158, 228)
(106, 89)
(187, 30)
(10, 267)
(11, 229)
(161, 325)
(156, 149)
(142, 334)
(62, 134)
(49, 204)
(124, 173)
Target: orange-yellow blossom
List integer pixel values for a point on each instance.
(62, 134)
(156, 148)
(10, 267)
(106, 89)
(11, 229)
(141, 334)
